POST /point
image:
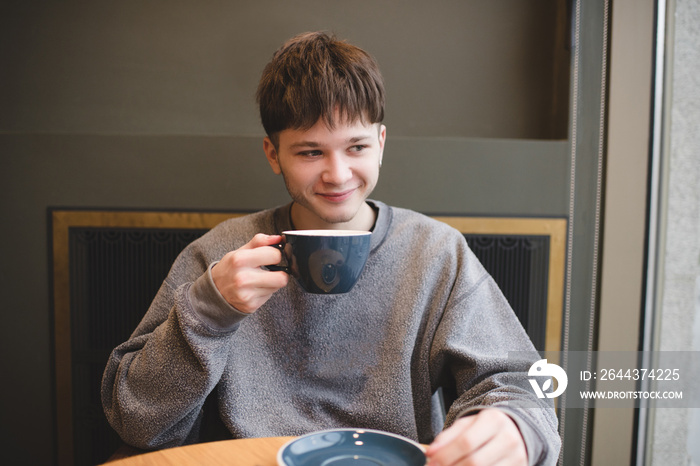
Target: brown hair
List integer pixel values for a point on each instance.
(312, 76)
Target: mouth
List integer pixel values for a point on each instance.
(337, 197)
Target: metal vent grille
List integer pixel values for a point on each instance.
(114, 275)
(520, 266)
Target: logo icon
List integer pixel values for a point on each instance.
(542, 369)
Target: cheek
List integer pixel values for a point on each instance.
(301, 175)
(370, 171)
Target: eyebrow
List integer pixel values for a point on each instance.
(351, 140)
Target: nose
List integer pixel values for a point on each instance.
(337, 171)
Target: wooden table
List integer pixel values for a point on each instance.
(242, 452)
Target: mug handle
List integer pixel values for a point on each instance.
(277, 268)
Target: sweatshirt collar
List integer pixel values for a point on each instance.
(282, 219)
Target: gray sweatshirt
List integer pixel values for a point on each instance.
(424, 314)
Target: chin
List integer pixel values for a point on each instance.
(338, 217)
(337, 220)
(334, 215)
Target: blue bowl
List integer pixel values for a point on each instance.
(351, 447)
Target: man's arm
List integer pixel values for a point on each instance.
(155, 384)
(471, 354)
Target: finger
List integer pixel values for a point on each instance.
(269, 280)
(247, 271)
(495, 422)
(489, 437)
(449, 434)
(502, 449)
(262, 239)
(250, 290)
(241, 269)
(247, 257)
(265, 255)
(458, 443)
(490, 453)
(461, 450)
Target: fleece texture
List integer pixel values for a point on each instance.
(424, 314)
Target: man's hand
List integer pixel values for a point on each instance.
(242, 282)
(489, 437)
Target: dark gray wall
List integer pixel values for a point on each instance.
(149, 104)
(471, 68)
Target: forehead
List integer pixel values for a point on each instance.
(321, 133)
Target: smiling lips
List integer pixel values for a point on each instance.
(337, 197)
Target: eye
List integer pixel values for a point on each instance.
(358, 148)
(310, 153)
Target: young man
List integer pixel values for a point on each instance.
(280, 361)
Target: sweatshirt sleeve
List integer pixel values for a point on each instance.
(481, 355)
(155, 384)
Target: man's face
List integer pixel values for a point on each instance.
(329, 172)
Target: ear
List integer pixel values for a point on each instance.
(271, 154)
(382, 140)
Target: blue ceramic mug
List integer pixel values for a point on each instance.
(324, 261)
